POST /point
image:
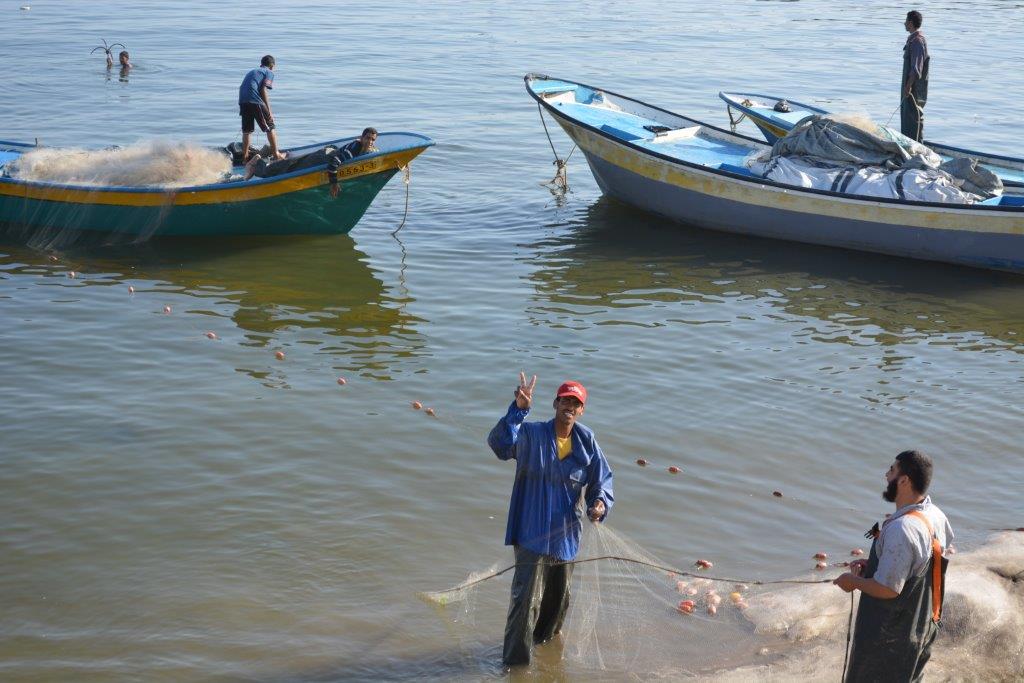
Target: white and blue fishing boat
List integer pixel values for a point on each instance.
(695, 173)
(764, 112)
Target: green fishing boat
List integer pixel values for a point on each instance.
(296, 203)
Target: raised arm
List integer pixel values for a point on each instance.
(505, 434)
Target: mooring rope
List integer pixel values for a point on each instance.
(734, 122)
(561, 178)
(406, 178)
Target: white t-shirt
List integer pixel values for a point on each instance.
(905, 546)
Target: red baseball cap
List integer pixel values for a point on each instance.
(572, 389)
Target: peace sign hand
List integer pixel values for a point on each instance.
(524, 392)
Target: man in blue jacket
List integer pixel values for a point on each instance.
(555, 461)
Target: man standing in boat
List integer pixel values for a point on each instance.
(902, 581)
(914, 89)
(555, 460)
(254, 106)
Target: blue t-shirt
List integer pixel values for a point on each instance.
(249, 91)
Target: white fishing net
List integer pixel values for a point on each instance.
(626, 622)
(144, 164)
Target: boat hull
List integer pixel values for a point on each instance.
(716, 201)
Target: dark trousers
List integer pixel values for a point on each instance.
(912, 119)
(268, 169)
(540, 598)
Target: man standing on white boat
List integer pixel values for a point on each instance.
(914, 89)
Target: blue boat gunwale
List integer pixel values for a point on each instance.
(723, 95)
(235, 184)
(730, 174)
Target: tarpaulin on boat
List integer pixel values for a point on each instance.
(859, 157)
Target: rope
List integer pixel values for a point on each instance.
(561, 178)
(849, 634)
(734, 122)
(678, 572)
(406, 178)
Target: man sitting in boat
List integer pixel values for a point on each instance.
(334, 157)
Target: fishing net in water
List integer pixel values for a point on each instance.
(634, 616)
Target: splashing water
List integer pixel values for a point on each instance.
(144, 164)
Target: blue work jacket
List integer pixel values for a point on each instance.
(542, 515)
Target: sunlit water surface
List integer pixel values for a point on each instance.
(180, 508)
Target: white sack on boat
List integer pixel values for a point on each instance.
(852, 142)
(150, 164)
(912, 184)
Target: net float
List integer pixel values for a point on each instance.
(715, 599)
(820, 566)
(167, 310)
(681, 586)
(279, 355)
(211, 335)
(52, 257)
(686, 606)
(820, 556)
(691, 591)
(856, 552)
(703, 564)
(672, 469)
(737, 597)
(342, 381)
(712, 610)
(131, 290)
(741, 587)
(416, 405)
(742, 604)
(641, 462)
(430, 411)
(951, 550)
(777, 494)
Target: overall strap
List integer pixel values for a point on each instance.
(936, 565)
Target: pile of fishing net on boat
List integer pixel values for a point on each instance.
(633, 616)
(852, 155)
(144, 164)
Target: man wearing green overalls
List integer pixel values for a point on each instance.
(901, 582)
(914, 86)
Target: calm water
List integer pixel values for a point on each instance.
(179, 508)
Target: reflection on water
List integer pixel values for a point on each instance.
(617, 265)
(319, 289)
